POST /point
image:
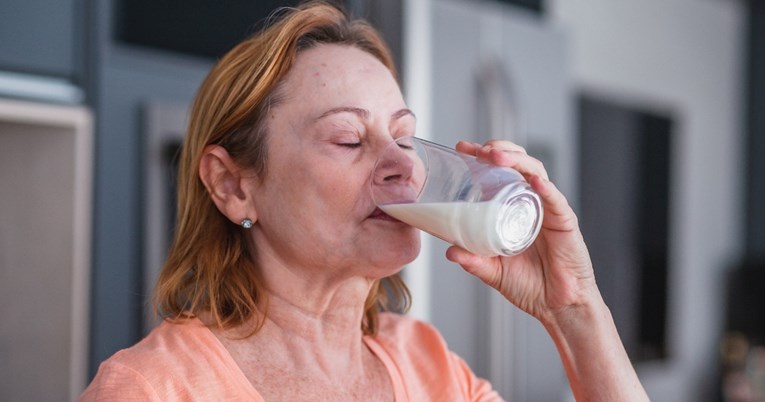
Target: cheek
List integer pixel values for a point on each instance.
(311, 197)
(318, 183)
(343, 184)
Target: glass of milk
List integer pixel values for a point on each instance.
(483, 208)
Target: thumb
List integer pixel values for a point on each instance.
(487, 269)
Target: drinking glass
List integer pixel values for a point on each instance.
(486, 209)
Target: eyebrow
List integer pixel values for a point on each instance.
(364, 113)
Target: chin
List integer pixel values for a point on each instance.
(393, 257)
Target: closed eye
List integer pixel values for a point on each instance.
(405, 143)
(350, 144)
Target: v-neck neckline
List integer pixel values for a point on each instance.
(396, 378)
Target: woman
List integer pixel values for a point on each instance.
(273, 284)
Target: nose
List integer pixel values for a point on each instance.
(396, 177)
(395, 165)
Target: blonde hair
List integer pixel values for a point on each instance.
(211, 265)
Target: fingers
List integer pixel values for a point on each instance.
(526, 165)
(504, 145)
(469, 148)
(505, 153)
(558, 214)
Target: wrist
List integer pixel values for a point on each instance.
(587, 309)
(583, 328)
(596, 363)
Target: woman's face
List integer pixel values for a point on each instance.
(341, 108)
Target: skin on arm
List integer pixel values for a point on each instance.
(554, 282)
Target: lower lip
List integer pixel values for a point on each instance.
(385, 217)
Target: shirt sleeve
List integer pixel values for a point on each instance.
(117, 382)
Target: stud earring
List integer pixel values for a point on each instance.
(246, 223)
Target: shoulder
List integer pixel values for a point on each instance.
(170, 362)
(427, 368)
(411, 342)
(415, 344)
(115, 380)
(405, 333)
(169, 346)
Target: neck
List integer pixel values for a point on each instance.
(320, 302)
(314, 316)
(327, 315)
(311, 346)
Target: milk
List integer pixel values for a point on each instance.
(500, 226)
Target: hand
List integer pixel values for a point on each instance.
(555, 273)
(553, 281)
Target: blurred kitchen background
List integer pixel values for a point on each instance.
(648, 114)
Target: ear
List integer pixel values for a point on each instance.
(225, 184)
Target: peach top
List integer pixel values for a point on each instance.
(186, 362)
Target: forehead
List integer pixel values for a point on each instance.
(328, 68)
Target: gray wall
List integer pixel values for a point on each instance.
(685, 56)
(72, 40)
(755, 127)
(127, 78)
(42, 37)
